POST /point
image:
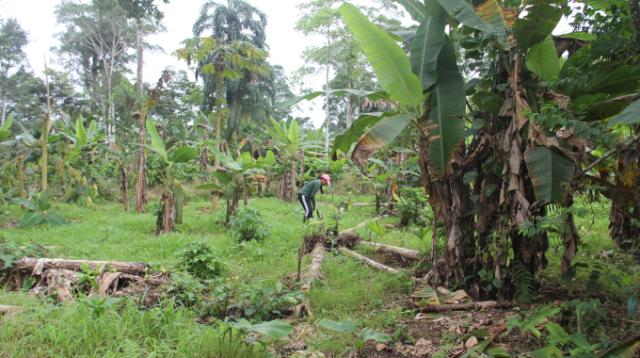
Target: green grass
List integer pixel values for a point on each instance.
(350, 291)
(105, 232)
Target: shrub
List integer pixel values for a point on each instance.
(247, 224)
(411, 202)
(199, 259)
(11, 251)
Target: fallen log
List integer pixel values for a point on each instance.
(6, 309)
(38, 265)
(360, 225)
(368, 261)
(406, 253)
(480, 305)
(363, 204)
(314, 270)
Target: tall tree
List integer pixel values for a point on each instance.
(339, 57)
(97, 35)
(147, 17)
(236, 26)
(12, 41)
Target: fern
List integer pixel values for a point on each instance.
(524, 282)
(531, 323)
(557, 337)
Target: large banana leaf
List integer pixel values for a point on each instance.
(388, 60)
(466, 14)
(335, 92)
(294, 136)
(5, 130)
(184, 154)
(447, 113)
(551, 173)
(416, 9)
(542, 17)
(344, 140)
(492, 13)
(81, 132)
(378, 136)
(630, 115)
(157, 145)
(543, 60)
(426, 46)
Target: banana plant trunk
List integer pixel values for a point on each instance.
(450, 202)
(166, 221)
(141, 180)
(624, 224)
(21, 176)
(124, 187)
(287, 186)
(232, 203)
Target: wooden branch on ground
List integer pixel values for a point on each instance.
(404, 252)
(314, 270)
(5, 309)
(38, 265)
(368, 261)
(363, 204)
(467, 306)
(353, 229)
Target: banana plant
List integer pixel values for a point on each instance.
(427, 85)
(232, 176)
(286, 138)
(171, 200)
(77, 174)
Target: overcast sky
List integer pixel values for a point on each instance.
(285, 44)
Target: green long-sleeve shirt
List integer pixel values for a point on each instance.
(311, 188)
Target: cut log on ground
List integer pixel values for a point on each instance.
(368, 261)
(406, 253)
(314, 270)
(6, 309)
(480, 305)
(353, 229)
(363, 204)
(38, 265)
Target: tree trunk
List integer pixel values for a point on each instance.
(404, 252)
(368, 261)
(624, 219)
(167, 216)
(141, 180)
(44, 138)
(635, 13)
(466, 306)
(140, 56)
(245, 192)
(624, 222)
(124, 187)
(110, 105)
(204, 155)
(38, 265)
(327, 119)
(4, 111)
(287, 186)
(20, 175)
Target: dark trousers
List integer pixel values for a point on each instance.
(308, 204)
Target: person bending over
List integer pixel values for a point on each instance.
(307, 194)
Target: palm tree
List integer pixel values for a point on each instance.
(221, 65)
(232, 65)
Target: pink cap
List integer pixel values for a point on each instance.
(326, 178)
